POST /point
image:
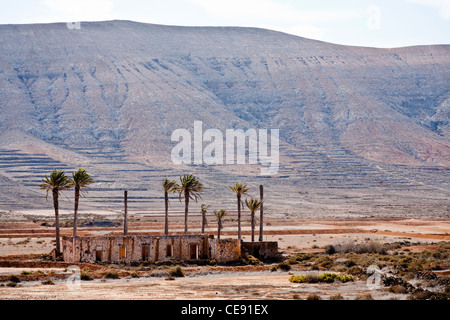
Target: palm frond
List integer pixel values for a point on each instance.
(56, 182)
(240, 189)
(190, 187)
(81, 180)
(253, 204)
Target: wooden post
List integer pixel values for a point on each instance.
(125, 218)
(261, 211)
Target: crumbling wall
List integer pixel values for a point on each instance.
(225, 250)
(158, 248)
(135, 248)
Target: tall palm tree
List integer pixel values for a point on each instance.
(253, 205)
(220, 214)
(169, 186)
(204, 210)
(239, 189)
(55, 183)
(190, 188)
(80, 181)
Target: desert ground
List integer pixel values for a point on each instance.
(27, 272)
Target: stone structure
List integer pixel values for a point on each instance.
(260, 249)
(159, 248)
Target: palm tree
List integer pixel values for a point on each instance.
(80, 181)
(57, 182)
(239, 189)
(190, 188)
(220, 214)
(168, 186)
(204, 210)
(253, 205)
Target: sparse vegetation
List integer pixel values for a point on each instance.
(86, 276)
(313, 296)
(283, 266)
(14, 278)
(176, 272)
(252, 260)
(111, 275)
(324, 277)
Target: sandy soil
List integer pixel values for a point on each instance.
(230, 285)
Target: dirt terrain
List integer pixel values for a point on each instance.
(23, 244)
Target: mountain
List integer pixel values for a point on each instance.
(362, 130)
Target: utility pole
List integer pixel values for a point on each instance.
(261, 211)
(125, 218)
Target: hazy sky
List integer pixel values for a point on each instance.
(385, 23)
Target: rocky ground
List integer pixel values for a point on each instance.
(412, 254)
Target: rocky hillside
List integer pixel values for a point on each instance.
(354, 122)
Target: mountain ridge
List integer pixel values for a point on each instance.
(116, 91)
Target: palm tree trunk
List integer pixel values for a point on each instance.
(261, 212)
(125, 218)
(239, 216)
(203, 221)
(219, 223)
(56, 206)
(166, 201)
(253, 226)
(75, 214)
(186, 210)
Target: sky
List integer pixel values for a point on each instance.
(382, 23)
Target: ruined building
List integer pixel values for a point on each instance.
(165, 247)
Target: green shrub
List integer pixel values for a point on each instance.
(324, 277)
(298, 278)
(25, 273)
(170, 278)
(48, 282)
(135, 275)
(344, 278)
(252, 260)
(327, 277)
(313, 296)
(12, 284)
(176, 272)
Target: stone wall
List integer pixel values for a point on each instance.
(135, 248)
(225, 250)
(158, 248)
